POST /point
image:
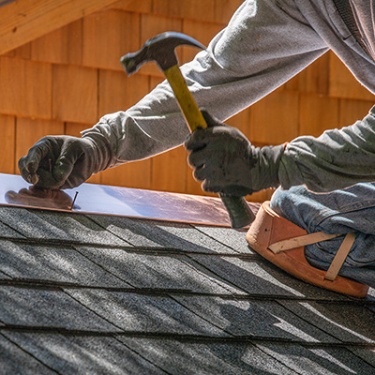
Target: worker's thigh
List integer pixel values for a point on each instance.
(340, 211)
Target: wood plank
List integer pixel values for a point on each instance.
(108, 36)
(144, 6)
(192, 9)
(118, 92)
(75, 94)
(313, 79)
(169, 171)
(260, 196)
(192, 186)
(135, 175)
(342, 84)
(25, 88)
(241, 121)
(62, 46)
(154, 81)
(318, 113)
(26, 20)
(23, 52)
(274, 119)
(216, 11)
(8, 133)
(353, 110)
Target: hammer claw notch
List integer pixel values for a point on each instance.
(159, 49)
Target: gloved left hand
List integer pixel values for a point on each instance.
(226, 162)
(61, 162)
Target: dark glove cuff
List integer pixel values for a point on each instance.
(269, 158)
(103, 154)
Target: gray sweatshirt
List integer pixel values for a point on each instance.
(265, 44)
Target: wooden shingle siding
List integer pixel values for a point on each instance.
(25, 88)
(136, 6)
(318, 113)
(8, 134)
(276, 118)
(75, 94)
(63, 46)
(343, 85)
(117, 91)
(66, 79)
(107, 36)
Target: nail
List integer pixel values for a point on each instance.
(74, 199)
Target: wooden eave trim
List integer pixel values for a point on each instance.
(25, 20)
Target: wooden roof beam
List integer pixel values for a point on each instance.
(25, 20)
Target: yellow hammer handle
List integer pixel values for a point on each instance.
(185, 99)
(239, 211)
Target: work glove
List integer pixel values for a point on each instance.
(226, 162)
(60, 162)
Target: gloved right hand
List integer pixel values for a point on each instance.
(60, 162)
(226, 162)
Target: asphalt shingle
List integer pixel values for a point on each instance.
(333, 317)
(255, 276)
(13, 360)
(144, 313)
(81, 354)
(103, 294)
(157, 271)
(234, 239)
(58, 264)
(154, 234)
(38, 224)
(324, 361)
(260, 319)
(206, 358)
(49, 309)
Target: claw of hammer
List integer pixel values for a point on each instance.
(161, 49)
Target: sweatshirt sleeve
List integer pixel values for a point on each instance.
(265, 44)
(337, 159)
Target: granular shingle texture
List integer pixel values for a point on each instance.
(93, 294)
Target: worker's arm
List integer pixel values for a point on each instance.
(226, 162)
(337, 159)
(262, 47)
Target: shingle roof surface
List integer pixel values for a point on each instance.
(108, 295)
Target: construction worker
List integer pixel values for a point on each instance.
(266, 43)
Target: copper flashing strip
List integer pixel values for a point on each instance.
(116, 201)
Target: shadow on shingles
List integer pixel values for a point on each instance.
(275, 315)
(138, 232)
(310, 318)
(251, 283)
(326, 359)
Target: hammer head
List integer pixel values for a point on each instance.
(159, 49)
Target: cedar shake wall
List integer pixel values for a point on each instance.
(64, 81)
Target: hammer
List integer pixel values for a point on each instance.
(161, 49)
